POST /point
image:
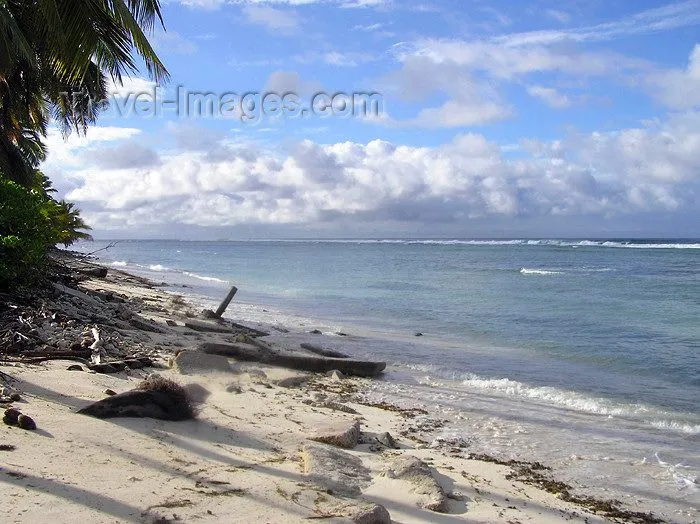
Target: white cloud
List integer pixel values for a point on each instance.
(130, 86)
(272, 19)
(670, 16)
(550, 96)
(558, 15)
(281, 82)
(678, 88)
(653, 168)
(173, 42)
(203, 4)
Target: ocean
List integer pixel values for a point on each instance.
(581, 353)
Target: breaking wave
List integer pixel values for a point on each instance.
(579, 402)
(205, 278)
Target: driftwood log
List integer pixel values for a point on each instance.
(227, 327)
(288, 359)
(322, 351)
(226, 301)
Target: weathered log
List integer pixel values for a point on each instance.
(323, 352)
(207, 327)
(286, 359)
(224, 304)
(227, 327)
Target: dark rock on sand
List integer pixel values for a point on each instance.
(11, 416)
(104, 368)
(156, 397)
(75, 367)
(418, 334)
(316, 332)
(109, 392)
(25, 422)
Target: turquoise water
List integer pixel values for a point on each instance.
(615, 319)
(581, 354)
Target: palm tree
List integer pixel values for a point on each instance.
(68, 224)
(57, 56)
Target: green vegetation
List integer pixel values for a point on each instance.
(57, 57)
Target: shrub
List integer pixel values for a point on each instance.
(25, 234)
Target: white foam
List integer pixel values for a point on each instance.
(527, 271)
(120, 263)
(158, 267)
(205, 278)
(579, 402)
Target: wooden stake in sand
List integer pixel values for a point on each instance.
(226, 301)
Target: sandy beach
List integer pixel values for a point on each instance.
(255, 451)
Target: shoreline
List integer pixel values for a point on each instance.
(250, 434)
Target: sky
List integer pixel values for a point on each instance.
(488, 119)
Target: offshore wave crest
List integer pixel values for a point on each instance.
(631, 244)
(527, 271)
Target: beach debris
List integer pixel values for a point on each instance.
(341, 434)
(288, 359)
(226, 301)
(96, 347)
(171, 323)
(341, 334)
(418, 334)
(156, 397)
(334, 470)
(292, 380)
(422, 480)
(451, 444)
(208, 314)
(318, 350)
(26, 422)
(190, 362)
(75, 367)
(144, 324)
(109, 392)
(8, 394)
(7, 447)
(316, 332)
(335, 406)
(11, 416)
